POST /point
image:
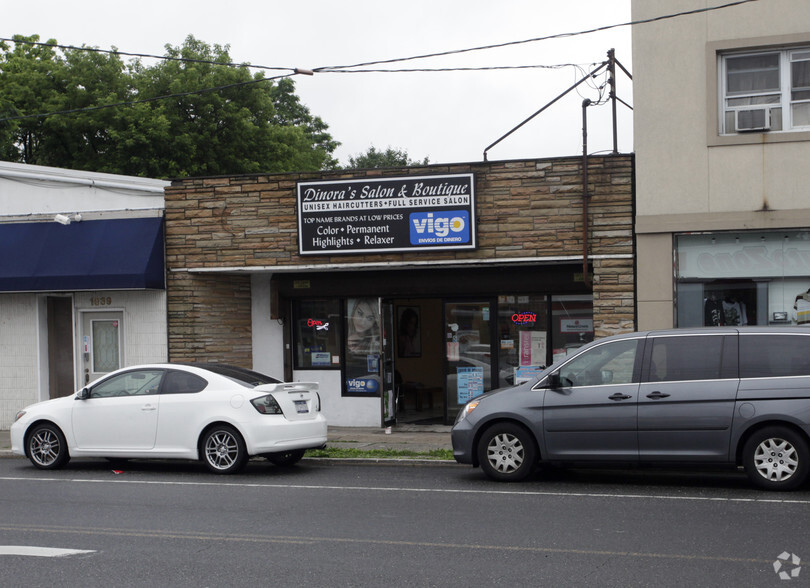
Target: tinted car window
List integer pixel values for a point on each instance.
(675, 359)
(183, 383)
(611, 363)
(247, 378)
(764, 356)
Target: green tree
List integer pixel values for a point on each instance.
(217, 119)
(373, 158)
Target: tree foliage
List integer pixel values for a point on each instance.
(391, 157)
(193, 117)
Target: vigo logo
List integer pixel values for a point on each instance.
(430, 228)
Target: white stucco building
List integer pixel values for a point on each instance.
(82, 280)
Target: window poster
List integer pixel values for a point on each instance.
(363, 346)
(533, 348)
(470, 383)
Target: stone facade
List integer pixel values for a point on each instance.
(525, 209)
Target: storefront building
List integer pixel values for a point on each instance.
(403, 292)
(82, 280)
(722, 137)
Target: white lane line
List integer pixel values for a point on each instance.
(40, 551)
(118, 480)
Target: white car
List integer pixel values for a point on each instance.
(219, 414)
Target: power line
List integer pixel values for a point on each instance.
(144, 55)
(537, 39)
(345, 68)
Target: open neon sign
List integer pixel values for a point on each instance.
(524, 318)
(319, 325)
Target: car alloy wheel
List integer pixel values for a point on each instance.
(223, 450)
(507, 452)
(47, 448)
(776, 458)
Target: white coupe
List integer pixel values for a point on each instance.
(219, 414)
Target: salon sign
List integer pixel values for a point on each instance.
(380, 215)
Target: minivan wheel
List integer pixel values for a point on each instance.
(776, 458)
(47, 448)
(507, 452)
(224, 450)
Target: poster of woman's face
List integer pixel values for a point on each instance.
(364, 326)
(409, 343)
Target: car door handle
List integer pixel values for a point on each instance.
(655, 395)
(148, 408)
(619, 396)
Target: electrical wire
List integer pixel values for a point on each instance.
(340, 68)
(545, 38)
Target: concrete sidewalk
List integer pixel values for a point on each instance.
(417, 438)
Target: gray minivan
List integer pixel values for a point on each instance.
(724, 396)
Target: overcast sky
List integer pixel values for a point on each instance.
(446, 116)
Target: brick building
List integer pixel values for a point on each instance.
(274, 272)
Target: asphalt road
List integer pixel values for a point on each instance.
(322, 524)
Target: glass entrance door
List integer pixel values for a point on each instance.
(469, 361)
(101, 344)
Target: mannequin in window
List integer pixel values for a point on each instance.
(713, 311)
(802, 307)
(734, 311)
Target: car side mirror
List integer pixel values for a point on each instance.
(83, 394)
(554, 382)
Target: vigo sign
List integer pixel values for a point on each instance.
(376, 215)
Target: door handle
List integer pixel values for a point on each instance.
(656, 395)
(619, 396)
(148, 408)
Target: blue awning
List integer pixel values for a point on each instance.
(115, 254)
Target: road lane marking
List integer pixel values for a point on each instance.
(262, 539)
(32, 551)
(611, 495)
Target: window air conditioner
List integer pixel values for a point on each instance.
(753, 119)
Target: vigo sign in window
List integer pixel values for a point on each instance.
(370, 215)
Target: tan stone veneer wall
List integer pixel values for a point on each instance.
(525, 209)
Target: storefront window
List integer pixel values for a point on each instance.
(317, 334)
(522, 337)
(747, 278)
(363, 346)
(571, 324)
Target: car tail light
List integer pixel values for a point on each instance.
(266, 405)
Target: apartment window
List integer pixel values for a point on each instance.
(765, 91)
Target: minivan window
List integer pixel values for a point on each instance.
(680, 358)
(610, 363)
(767, 356)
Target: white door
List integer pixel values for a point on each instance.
(101, 344)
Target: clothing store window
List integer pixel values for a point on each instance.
(744, 278)
(317, 334)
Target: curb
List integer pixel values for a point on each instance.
(7, 454)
